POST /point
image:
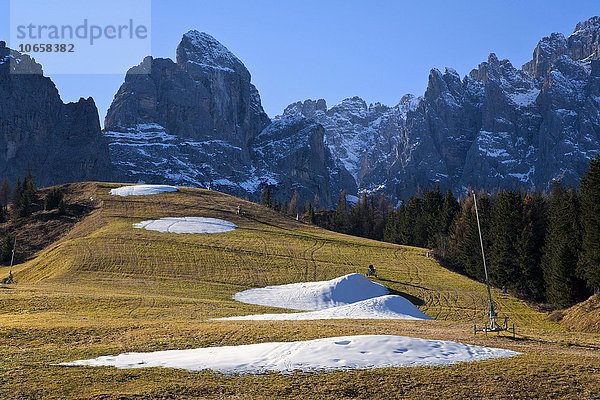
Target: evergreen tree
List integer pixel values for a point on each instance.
(561, 251)
(25, 196)
(405, 226)
(391, 227)
(29, 187)
(4, 199)
(413, 228)
(505, 232)
(6, 247)
(450, 209)
(62, 206)
(433, 201)
(589, 261)
(18, 199)
(382, 210)
(357, 218)
(341, 217)
(266, 196)
(465, 247)
(532, 240)
(367, 217)
(464, 240)
(310, 213)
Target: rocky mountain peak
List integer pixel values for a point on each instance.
(488, 68)
(408, 102)
(203, 50)
(352, 102)
(307, 108)
(588, 27)
(548, 50)
(206, 94)
(440, 83)
(22, 63)
(435, 84)
(582, 45)
(451, 72)
(58, 142)
(584, 42)
(502, 74)
(352, 105)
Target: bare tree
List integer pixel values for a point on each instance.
(293, 204)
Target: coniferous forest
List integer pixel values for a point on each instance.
(543, 247)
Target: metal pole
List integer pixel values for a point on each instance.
(487, 279)
(12, 258)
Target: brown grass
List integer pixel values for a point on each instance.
(106, 288)
(45, 228)
(583, 317)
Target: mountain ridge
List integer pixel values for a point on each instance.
(57, 142)
(496, 127)
(198, 121)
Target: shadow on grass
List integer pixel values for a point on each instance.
(413, 299)
(524, 338)
(402, 283)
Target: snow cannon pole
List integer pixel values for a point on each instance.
(12, 258)
(487, 279)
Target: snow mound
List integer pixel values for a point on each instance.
(142, 190)
(187, 225)
(383, 307)
(307, 296)
(336, 353)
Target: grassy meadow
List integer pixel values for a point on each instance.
(106, 288)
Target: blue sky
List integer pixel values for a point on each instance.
(334, 49)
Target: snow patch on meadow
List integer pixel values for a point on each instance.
(328, 354)
(306, 296)
(142, 190)
(383, 307)
(187, 225)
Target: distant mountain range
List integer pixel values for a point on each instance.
(198, 121)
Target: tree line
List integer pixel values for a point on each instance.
(544, 247)
(20, 202)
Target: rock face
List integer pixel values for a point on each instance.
(58, 142)
(205, 95)
(198, 121)
(291, 152)
(498, 127)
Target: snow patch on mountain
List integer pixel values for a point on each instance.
(526, 98)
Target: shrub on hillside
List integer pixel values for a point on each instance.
(54, 199)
